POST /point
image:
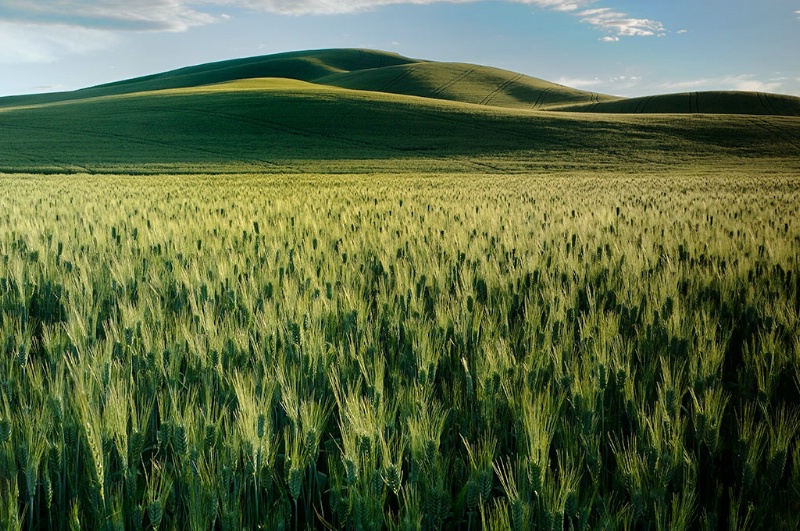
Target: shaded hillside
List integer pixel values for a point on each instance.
(354, 69)
(466, 83)
(755, 103)
(304, 66)
(376, 71)
(284, 126)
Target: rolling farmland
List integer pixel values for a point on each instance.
(346, 289)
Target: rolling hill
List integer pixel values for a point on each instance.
(365, 111)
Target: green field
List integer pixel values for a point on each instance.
(350, 290)
(335, 112)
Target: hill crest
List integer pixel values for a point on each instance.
(391, 73)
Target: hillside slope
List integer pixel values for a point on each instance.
(303, 66)
(289, 126)
(354, 69)
(754, 103)
(466, 83)
(376, 71)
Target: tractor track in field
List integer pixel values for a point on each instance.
(762, 102)
(540, 99)
(399, 78)
(489, 97)
(594, 102)
(485, 165)
(643, 103)
(151, 142)
(363, 59)
(453, 81)
(66, 167)
(58, 166)
(771, 128)
(767, 104)
(694, 103)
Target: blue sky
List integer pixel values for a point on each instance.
(621, 47)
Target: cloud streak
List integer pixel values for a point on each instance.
(620, 24)
(141, 15)
(179, 15)
(335, 7)
(611, 85)
(742, 82)
(30, 43)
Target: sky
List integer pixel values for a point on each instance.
(619, 47)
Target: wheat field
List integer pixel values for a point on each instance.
(582, 351)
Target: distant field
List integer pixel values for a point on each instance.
(356, 111)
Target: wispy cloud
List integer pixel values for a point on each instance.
(139, 15)
(30, 43)
(580, 83)
(558, 5)
(613, 84)
(741, 82)
(603, 18)
(329, 7)
(751, 84)
(179, 15)
(633, 85)
(620, 24)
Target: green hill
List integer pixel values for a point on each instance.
(303, 66)
(363, 111)
(465, 83)
(377, 71)
(354, 69)
(754, 103)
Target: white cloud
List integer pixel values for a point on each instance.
(559, 5)
(750, 84)
(633, 85)
(330, 7)
(682, 32)
(609, 38)
(30, 43)
(742, 82)
(580, 83)
(179, 15)
(613, 84)
(620, 24)
(139, 15)
(690, 84)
